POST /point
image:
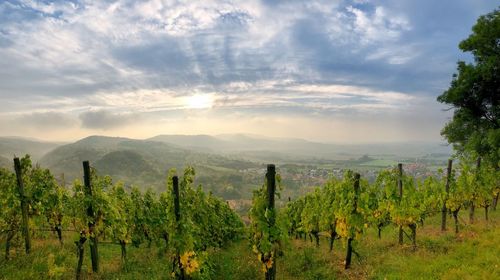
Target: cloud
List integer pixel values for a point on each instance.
(379, 26)
(101, 46)
(46, 120)
(297, 58)
(104, 120)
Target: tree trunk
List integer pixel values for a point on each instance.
(455, 217)
(148, 238)
(165, 237)
(413, 228)
(94, 254)
(486, 212)
(495, 202)
(271, 273)
(123, 245)
(10, 235)
(316, 237)
(58, 229)
(443, 218)
(400, 235)
(177, 263)
(80, 251)
(354, 211)
(333, 235)
(379, 231)
(349, 254)
(471, 213)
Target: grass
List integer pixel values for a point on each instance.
(142, 263)
(472, 254)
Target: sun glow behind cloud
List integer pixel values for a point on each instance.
(199, 101)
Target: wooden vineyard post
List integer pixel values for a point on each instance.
(447, 190)
(177, 213)
(400, 188)
(24, 205)
(355, 204)
(94, 254)
(271, 189)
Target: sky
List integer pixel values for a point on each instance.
(330, 71)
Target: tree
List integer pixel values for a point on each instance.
(474, 94)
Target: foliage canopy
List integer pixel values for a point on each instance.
(474, 93)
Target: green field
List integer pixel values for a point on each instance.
(380, 163)
(472, 254)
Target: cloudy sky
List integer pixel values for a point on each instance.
(331, 71)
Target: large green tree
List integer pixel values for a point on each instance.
(474, 94)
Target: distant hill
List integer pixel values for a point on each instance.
(17, 146)
(256, 148)
(229, 165)
(196, 142)
(289, 150)
(140, 162)
(233, 142)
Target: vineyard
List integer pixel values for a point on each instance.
(184, 233)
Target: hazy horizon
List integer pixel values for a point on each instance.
(325, 71)
(218, 136)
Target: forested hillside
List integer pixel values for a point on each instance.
(142, 162)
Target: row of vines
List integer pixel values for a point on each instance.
(188, 221)
(345, 208)
(183, 217)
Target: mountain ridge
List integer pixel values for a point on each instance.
(11, 146)
(135, 161)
